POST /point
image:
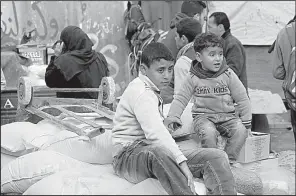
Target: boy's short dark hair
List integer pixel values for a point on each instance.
(221, 18)
(192, 7)
(188, 27)
(206, 40)
(154, 52)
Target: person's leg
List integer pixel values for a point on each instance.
(211, 164)
(206, 131)
(140, 161)
(236, 135)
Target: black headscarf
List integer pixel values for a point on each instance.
(77, 53)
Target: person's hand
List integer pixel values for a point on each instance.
(58, 49)
(186, 171)
(172, 123)
(249, 133)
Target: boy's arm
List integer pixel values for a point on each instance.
(148, 115)
(181, 70)
(279, 71)
(239, 94)
(182, 98)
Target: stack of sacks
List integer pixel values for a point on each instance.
(95, 180)
(97, 150)
(49, 172)
(18, 175)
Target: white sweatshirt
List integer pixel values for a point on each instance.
(139, 115)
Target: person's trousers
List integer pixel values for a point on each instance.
(209, 126)
(142, 160)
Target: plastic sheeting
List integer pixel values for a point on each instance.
(255, 22)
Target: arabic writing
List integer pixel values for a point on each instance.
(11, 27)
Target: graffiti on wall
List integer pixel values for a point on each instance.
(13, 26)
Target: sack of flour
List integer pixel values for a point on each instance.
(18, 175)
(98, 180)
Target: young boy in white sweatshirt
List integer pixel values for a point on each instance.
(214, 88)
(187, 29)
(143, 147)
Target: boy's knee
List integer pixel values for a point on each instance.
(242, 131)
(159, 151)
(207, 131)
(217, 154)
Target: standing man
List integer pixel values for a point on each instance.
(284, 65)
(233, 50)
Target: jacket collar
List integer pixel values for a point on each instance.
(148, 83)
(226, 34)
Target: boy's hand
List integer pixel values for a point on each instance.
(186, 171)
(249, 133)
(172, 123)
(58, 49)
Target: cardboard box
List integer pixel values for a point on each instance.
(256, 148)
(37, 53)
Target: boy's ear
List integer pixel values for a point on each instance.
(198, 57)
(143, 68)
(184, 38)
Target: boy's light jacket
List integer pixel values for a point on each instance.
(139, 115)
(212, 95)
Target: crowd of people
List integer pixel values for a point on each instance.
(189, 65)
(208, 69)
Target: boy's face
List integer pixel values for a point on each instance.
(180, 41)
(211, 58)
(160, 72)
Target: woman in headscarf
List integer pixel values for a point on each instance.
(77, 65)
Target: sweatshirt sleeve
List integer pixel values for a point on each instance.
(181, 70)
(53, 76)
(182, 98)
(151, 122)
(240, 96)
(279, 71)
